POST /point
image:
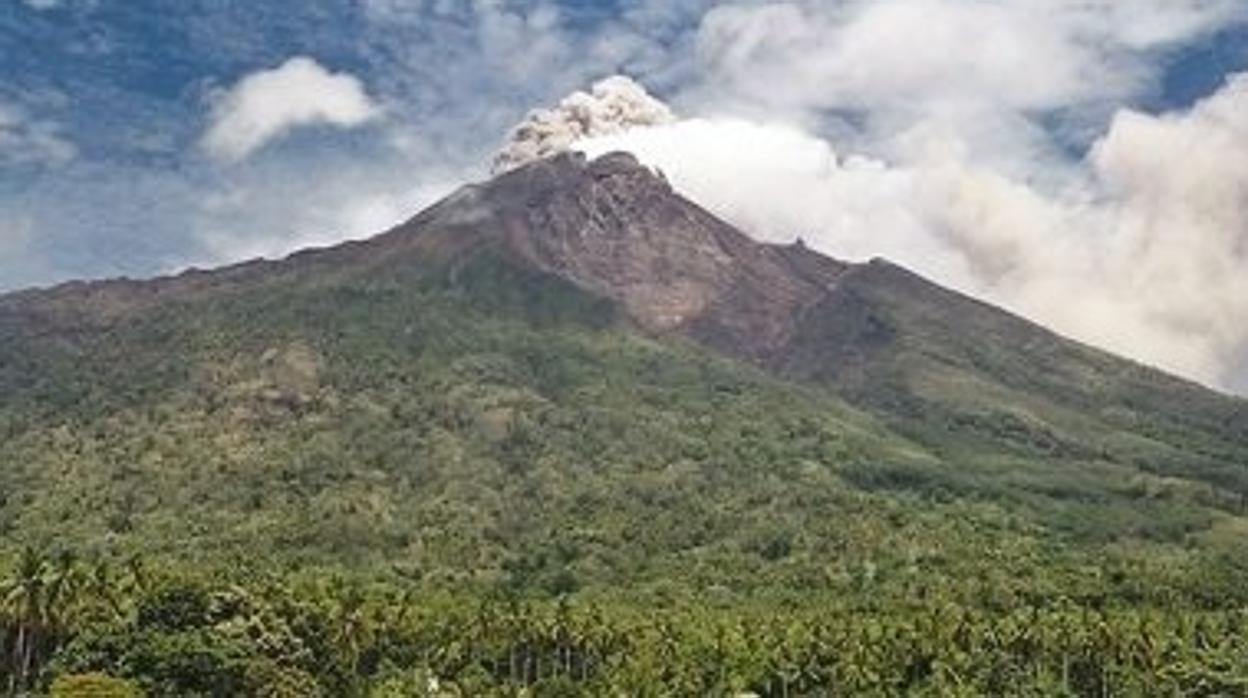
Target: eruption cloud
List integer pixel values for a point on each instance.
(612, 106)
(1140, 247)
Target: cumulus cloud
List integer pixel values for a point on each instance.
(1029, 54)
(612, 106)
(1141, 247)
(1017, 82)
(893, 54)
(266, 105)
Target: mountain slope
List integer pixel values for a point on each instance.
(572, 376)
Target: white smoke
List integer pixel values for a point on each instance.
(1142, 248)
(612, 106)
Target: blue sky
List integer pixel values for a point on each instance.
(139, 137)
(114, 95)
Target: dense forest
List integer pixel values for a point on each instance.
(94, 628)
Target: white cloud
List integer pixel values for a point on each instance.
(905, 54)
(1002, 78)
(1145, 24)
(266, 105)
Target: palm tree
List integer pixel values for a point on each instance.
(100, 584)
(23, 598)
(64, 582)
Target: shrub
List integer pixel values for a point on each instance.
(93, 686)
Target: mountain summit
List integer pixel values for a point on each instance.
(616, 229)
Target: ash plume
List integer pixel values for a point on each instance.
(612, 106)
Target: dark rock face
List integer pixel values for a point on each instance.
(617, 229)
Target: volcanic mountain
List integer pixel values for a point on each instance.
(571, 374)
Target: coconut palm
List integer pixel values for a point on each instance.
(24, 598)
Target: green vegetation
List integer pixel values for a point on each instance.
(475, 480)
(92, 686)
(164, 634)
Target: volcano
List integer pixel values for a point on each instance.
(575, 352)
